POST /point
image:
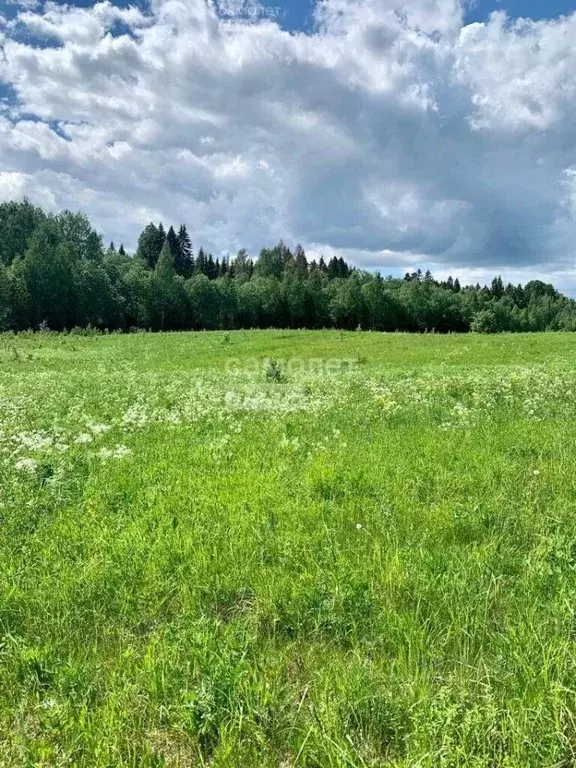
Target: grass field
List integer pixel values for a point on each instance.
(365, 556)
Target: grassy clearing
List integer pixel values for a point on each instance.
(201, 565)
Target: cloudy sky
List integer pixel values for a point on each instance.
(397, 133)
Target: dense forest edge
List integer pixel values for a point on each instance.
(56, 273)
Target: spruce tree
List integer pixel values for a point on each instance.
(185, 262)
(201, 262)
(172, 240)
(497, 288)
(165, 265)
(333, 268)
(300, 262)
(343, 269)
(160, 237)
(211, 267)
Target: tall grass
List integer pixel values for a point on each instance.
(367, 565)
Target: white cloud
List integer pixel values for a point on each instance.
(521, 72)
(392, 133)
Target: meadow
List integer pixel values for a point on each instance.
(363, 554)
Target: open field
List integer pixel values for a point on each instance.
(360, 563)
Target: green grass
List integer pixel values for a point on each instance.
(201, 565)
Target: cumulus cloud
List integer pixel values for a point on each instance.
(392, 133)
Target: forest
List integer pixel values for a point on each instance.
(56, 273)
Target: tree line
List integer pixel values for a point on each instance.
(56, 273)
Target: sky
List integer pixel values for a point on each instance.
(398, 134)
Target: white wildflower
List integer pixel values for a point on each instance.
(83, 438)
(27, 465)
(99, 429)
(119, 452)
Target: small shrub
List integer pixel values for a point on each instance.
(484, 321)
(274, 371)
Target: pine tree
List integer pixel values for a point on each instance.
(121, 250)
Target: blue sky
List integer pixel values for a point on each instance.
(534, 9)
(298, 12)
(395, 140)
